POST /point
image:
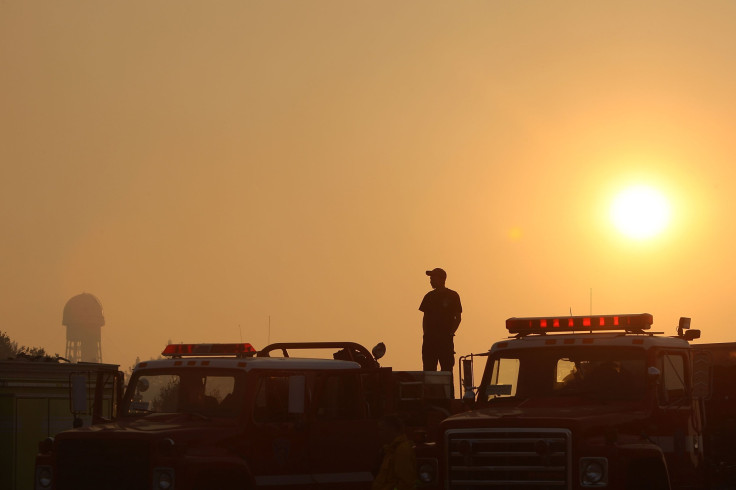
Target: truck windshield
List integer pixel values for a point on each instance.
(208, 393)
(605, 373)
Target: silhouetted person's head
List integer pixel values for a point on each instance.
(437, 278)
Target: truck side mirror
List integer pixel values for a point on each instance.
(379, 351)
(78, 399)
(142, 385)
(467, 379)
(684, 332)
(297, 388)
(653, 375)
(78, 402)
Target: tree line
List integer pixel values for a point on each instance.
(9, 349)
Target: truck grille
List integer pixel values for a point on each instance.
(102, 464)
(518, 459)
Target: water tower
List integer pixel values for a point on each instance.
(83, 320)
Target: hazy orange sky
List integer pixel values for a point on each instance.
(201, 166)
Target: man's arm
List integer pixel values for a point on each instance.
(425, 302)
(456, 322)
(458, 314)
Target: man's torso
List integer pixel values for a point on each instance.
(440, 306)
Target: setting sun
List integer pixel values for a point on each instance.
(640, 212)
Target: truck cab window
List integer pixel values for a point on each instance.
(155, 393)
(504, 378)
(588, 372)
(566, 372)
(339, 397)
(183, 391)
(272, 400)
(614, 374)
(672, 387)
(219, 387)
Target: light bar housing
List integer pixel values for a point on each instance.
(544, 325)
(198, 350)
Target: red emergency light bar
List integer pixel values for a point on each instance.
(179, 350)
(543, 325)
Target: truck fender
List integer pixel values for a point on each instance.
(645, 467)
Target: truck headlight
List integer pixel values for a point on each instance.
(163, 479)
(593, 472)
(427, 471)
(44, 477)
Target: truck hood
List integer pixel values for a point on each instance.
(182, 427)
(126, 450)
(572, 413)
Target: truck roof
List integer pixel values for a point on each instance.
(249, 363)
(617, 339)
(23, 368)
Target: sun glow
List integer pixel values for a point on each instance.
(640, 212)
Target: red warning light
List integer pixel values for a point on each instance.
(178, 350)
(525, 326)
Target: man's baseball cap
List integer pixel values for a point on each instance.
(438, 273)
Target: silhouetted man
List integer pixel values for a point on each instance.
(442, 309)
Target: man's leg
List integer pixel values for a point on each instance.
(447, 362)
(429, 356)
(447, 356)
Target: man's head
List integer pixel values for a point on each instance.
(437, 278)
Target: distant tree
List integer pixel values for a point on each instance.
(10, 349)
(166, 400)
(33, 351)
(128, 372)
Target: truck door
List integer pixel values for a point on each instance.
(278, 455)
(719, 407)
(344, 446)
(679, 438)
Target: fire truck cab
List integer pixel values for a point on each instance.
(217, 416)
(580, 403)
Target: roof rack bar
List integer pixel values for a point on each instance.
(351, 348)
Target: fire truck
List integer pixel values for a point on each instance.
(592, 402)
(36, 401)
(223, 416)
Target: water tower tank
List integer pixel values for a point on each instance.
(83, 319)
